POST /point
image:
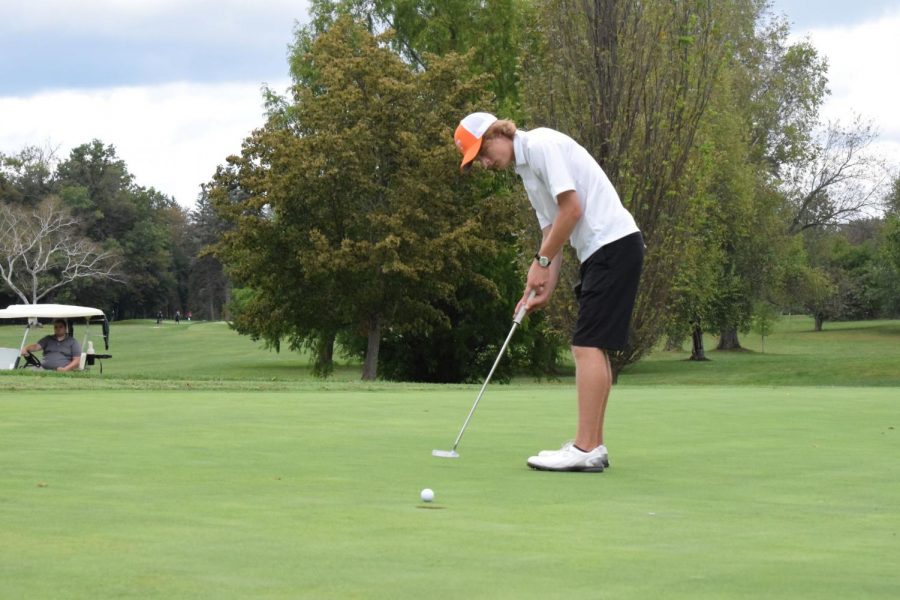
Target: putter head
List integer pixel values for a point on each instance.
(445, 453)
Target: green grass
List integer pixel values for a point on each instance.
(714, 492)
(200, 465)
(201, 355)
(192, 350)
(863, 353)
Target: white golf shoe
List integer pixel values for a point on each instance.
(569, 458)
(570, 443)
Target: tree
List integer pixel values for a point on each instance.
(780, 86)
(772, 96)
(347, 217)
(95, 183)
(886, 269)
(892, 200)
(821, 298)
(839, 178)
(856, 259)
(43, 251)
(142, 224)
(492, 33)
(632, 83)
(829, 278)
(765, 314)
(27, 177)
(208, 287)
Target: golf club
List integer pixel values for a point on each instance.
(452, 453)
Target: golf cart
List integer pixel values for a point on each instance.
(32, 314)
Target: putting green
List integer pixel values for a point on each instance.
(714, 492)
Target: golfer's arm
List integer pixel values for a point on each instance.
(31, 348)
(556, 260)
(562, 227)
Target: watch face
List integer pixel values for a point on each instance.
(544, 261)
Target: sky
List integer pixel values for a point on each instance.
(175, 85)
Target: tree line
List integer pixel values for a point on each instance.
(78, 230)
(344, 224)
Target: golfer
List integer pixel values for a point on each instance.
(573, 200)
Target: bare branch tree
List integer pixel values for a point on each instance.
(41, 250)
(841, 178)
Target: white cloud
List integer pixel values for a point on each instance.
(860, 76)
(171, 136)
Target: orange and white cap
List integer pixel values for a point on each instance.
(468, 135)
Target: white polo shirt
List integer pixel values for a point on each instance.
(550, 163)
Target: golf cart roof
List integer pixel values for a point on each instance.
(48, 311)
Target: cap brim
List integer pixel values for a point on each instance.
(470, 155)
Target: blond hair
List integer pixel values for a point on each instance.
(503, 127)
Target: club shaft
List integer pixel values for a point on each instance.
(486, 381)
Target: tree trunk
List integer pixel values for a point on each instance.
(223, 306)
(324, 365)
(728, 339)
(820, 319)
(697, 351)
(370, 366)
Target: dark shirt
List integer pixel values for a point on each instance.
(58, 354)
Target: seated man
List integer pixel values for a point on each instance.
(62, 352)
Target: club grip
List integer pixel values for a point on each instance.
(521, 314)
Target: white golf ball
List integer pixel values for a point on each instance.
(427, 495)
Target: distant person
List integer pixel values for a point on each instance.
(62, 352)
(188, 315)
(177, 317)
(158, 317)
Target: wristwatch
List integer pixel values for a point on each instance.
(542, 260)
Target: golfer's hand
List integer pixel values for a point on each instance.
(539, 280)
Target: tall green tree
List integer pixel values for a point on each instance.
(707, 287)
(632, 82)
(887, 267)
(892, 200)
(349, 214)
(493, 34)
(27, 176)
(780, 86)
(776, 89)
(141, 224)
(761, 121)
(209, 289)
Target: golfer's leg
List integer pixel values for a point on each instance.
(592, 380)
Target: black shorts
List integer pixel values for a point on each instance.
(606, 293)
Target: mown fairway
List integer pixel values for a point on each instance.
(115, 486)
